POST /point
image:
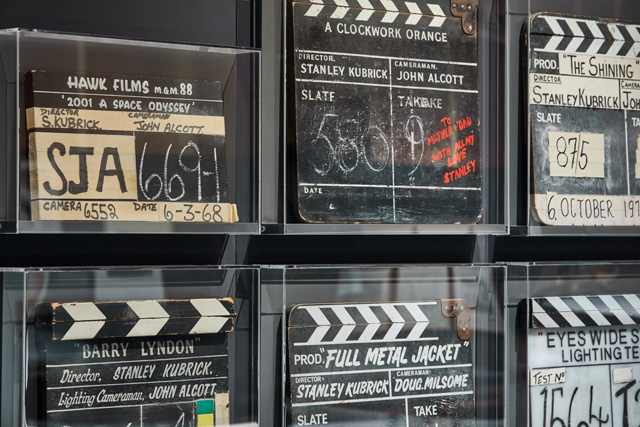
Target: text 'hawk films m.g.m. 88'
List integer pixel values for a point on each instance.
(385, 116)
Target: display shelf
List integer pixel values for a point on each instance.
(111, 135)
(390, 229)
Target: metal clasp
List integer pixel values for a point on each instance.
(468, 11)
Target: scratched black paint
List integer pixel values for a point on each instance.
(365, 108)
(309, 364)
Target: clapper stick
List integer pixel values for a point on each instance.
(411, 11)
(145, 318)
(581, 311)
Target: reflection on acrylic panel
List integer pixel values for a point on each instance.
(386, 112)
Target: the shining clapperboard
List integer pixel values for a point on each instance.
(381, 364)
(584, 361)
(135, 363)
(126, 148)
(385, 117)
(584, 98)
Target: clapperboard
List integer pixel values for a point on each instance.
(584, 99)
(126, 148)
(401, 363)
(385, 116)
(584, 360)
(135, 363)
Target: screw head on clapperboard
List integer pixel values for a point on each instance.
(467, 10)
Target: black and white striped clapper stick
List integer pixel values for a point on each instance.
(588, 36)
(365, 323)
(363, 11)
(586, 310)
(146, 318)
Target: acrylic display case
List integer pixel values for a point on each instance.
(355, 148)
(152, 347)
(111, 135)
(579, 134)
(12, 376)
(572, 347)
(403, 345)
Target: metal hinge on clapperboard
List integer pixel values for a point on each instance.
(468, 11)
(143, 318)
(459, 309)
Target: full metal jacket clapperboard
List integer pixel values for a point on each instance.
(584, 97)
(584, 361)
(134, 363)
(126, 148)
(386, 111)
(382, 364)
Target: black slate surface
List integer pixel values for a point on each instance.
(383, 103)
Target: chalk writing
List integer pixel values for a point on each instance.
(368, 103)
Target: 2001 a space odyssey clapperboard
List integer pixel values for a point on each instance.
(126, 148)
(381, 364)
(384, 116)
(133, 363)
(584, 99)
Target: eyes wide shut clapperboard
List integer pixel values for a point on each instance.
(386, 111)
(584, 98)
(381, 364)
(135, 363)
(584, 360)
(126, 148)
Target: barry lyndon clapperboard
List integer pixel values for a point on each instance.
(584, 361)
(386, 111)
(584, 98)
(126, 148)
(383, 364)
(134, 363)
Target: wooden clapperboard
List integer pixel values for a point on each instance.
(584, 360)
(385, 115)
(135, 363)
(126, 148)
(409, 363)
(584, 99)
